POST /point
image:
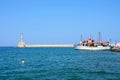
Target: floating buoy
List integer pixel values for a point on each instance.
(22, 61)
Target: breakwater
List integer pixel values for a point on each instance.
(22, 44)
(49, 45)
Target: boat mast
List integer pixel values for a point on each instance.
(91, 37)
(81, 38)
(110, 40)
(99, 37)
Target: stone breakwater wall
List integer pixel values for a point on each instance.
(48, 45)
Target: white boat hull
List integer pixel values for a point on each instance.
(92, 48)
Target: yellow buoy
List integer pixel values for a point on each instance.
(22, 61)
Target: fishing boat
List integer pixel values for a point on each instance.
(90, 44)
(92, 48)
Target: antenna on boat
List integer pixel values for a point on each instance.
(110, 40)
(90, 36)
(81, 38)
(99, 37)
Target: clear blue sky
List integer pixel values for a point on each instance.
(58, 21)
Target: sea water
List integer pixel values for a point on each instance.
(58, 64)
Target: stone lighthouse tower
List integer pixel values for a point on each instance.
(21, 44)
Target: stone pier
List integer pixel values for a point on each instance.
(22, 44)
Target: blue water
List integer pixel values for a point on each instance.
(58, 64)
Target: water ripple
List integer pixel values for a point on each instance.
(58, 64)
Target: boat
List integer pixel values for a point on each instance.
(118, 45)
(116, 48)
(90, 44)
(92, 48)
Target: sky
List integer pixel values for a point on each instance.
(58, 21)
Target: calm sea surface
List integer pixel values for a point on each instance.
(58, 64)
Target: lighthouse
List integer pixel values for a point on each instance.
(21, 44)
